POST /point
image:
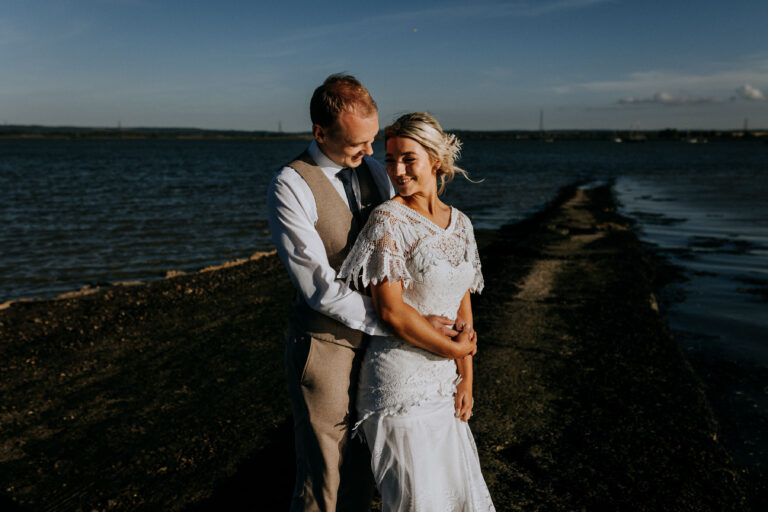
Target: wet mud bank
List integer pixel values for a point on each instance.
(584, 399)
(170, 395)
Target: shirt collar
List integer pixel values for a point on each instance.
(326, 164)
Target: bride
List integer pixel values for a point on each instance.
(415, 392)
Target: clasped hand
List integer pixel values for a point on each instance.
(460, 331)
(466, 338)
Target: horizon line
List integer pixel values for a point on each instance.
(119, 128)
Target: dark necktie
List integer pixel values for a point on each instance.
(345, 175)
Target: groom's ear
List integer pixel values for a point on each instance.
(319, 133)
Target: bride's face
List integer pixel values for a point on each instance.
(410, 167)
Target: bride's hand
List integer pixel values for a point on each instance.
(464, 400)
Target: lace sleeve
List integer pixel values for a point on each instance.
(473, 255)
(378, 253)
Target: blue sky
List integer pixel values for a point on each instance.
(475, 65)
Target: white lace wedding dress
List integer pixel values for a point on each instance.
(423, 457)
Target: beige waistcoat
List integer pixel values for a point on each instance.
(338, 229)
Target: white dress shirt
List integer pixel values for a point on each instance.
(292, 217)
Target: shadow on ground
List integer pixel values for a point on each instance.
(264, 477)
(8, 505)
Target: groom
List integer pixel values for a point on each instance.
(317, 205)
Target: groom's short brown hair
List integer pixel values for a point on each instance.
(340, 93)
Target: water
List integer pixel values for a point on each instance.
(705, 210)
(722, 248)
(84, 212)
(87, 212)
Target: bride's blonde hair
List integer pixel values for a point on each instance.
(440, 146)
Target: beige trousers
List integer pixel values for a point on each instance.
(333, 472)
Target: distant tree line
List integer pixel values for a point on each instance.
(76, 132)
(669, 134)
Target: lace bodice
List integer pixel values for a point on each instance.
(437, 266)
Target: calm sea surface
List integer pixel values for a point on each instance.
(87, 212)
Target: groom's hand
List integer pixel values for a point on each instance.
(443, 325)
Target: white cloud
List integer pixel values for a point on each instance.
(650, 87)
(663, 98)
(482, 10)
(649, 82)
(523, 9)
(748, 92)
(546, 8)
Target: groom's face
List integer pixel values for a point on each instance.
(349, 139)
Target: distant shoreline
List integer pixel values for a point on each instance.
(32, 132)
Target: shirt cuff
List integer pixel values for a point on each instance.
(370, 326)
